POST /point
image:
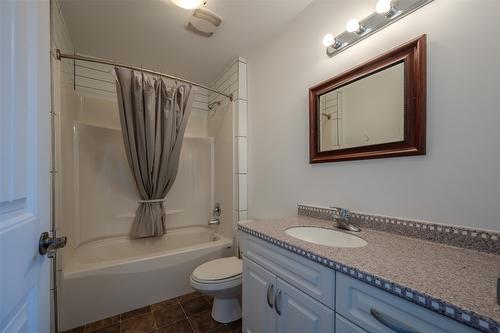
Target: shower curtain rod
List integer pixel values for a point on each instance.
(60, 55)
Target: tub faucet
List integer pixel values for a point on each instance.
(215, 220)
(343, 219)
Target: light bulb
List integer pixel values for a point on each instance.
(188, 4)
(328, 40)
(383, 6)
(352, 25)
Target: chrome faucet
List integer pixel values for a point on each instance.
(215, 220)
(343, 219)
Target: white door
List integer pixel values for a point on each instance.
(299, 313)
(24, 165)
(258, 299)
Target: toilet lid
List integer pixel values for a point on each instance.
(218, 269)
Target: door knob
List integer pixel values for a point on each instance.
(49, 244)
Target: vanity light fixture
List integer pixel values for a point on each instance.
(386, 13)
(189, 4)
(328, 40)
(385, 7)
(354, 26)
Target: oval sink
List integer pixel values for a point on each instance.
(327, 237)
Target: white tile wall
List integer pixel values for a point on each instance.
(242, 117)
(242, 154)
(242, 215)
(241, 135)
(242, 79)
(97, 80)
(61, 39)
(242, 192)
(227, 82)
(233, 80)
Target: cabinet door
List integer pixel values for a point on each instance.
(299, 313)
(259, 286)
(343, 325)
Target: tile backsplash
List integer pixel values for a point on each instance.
(479, 240)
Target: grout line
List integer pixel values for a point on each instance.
(152, 315)
(186, 317)
(185, 314)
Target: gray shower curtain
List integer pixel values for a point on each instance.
(153, 120)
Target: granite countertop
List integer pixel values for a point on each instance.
(463, 278)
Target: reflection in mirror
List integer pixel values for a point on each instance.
(365, 112)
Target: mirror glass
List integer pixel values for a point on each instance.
(365, 112)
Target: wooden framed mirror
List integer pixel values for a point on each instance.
(375, 110)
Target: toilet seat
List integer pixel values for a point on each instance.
(218, 285)
(233, 278)
(219, 271)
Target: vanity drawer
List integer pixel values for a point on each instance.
(377, 311)
(312, 278)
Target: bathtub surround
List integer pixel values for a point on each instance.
(457, 283)
(473, 239)
(95, 169)
(153, 119)
(189, 313)
(457, 182)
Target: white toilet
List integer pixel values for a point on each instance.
(221, 279)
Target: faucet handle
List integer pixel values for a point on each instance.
(217, 210)
(344, 213)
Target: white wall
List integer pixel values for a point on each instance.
(457, 182)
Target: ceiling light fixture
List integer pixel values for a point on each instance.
(189, 4)
(385, 14)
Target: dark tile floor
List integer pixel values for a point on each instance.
(185, 314)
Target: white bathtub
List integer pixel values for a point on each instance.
(109, 276)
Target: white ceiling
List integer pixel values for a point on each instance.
(152, 33)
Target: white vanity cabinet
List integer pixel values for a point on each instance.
(286, 293)
(273, 305)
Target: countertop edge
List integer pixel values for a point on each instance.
(440, 306)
